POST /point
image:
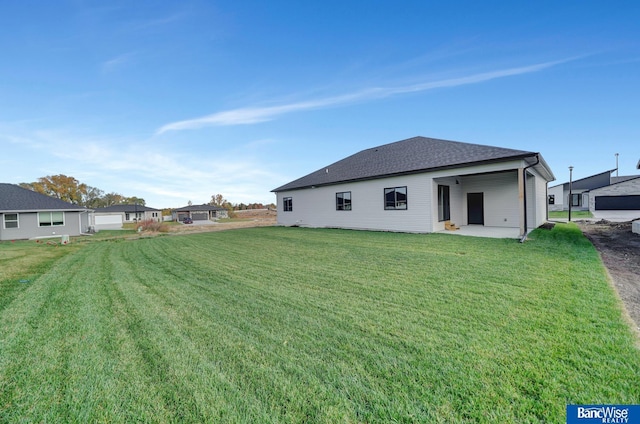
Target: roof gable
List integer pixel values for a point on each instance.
(417, 154)
(126, 208)
(199, 208)
(15, 198)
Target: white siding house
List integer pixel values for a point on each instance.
(417, 185)
(113, 217)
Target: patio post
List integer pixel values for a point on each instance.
(570, 190)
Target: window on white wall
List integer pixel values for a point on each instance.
(343, 201)
(395, 198)
(287, 204)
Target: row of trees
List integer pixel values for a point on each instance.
(220, 201)
(71, 190)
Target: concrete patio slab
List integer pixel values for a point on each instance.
(616, 216)
(483, 231)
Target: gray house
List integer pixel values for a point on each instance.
(559, 194)
(601, 191)
(26, 214)
(200, 213)
(623, 194)
(114, 216)
(420, 184)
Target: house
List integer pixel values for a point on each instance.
(622, 194)
(419, 185)
(559, 194)
(26, 214)
(601, 191)
(200, 213)
(114, 216)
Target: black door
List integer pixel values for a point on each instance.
(475, 208)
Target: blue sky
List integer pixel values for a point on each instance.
(175, 101)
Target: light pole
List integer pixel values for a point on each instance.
(616, 164)
(570, 190)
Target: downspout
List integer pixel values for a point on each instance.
(524, 192)
(82, 233)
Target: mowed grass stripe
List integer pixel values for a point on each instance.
(291, 324)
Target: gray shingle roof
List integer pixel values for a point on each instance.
(199, 208)
(17, 199)
(417, 154)
(126, 208)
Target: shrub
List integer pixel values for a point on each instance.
(151, 225)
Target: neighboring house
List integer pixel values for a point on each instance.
(559, 194)
(597, 192)
(200, 213)
(419, 184)
(26, 214)
(113, 217)
(621, 195)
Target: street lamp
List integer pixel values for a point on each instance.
(570, 189)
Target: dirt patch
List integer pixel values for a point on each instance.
(619, 248)
(243, 219)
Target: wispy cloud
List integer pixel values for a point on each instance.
(117, 62)
(163, 178)
(253, 115)
(158, 22)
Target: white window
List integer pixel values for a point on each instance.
(287, 204)
(10, 220)
(50, 219)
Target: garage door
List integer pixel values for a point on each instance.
(202, 216)
(108, 222)
(108, 219)
(618, 203)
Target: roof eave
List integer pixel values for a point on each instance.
(44, 210)
(419, 171)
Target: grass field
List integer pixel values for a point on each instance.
(302, 325)
(574, 214)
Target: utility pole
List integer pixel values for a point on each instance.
(570, 190)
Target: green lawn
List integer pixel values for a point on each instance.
(574, 214)
(301, 325)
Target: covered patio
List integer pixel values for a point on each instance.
(484, 231)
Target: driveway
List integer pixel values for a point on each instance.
(616, 216)
(197, 222)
